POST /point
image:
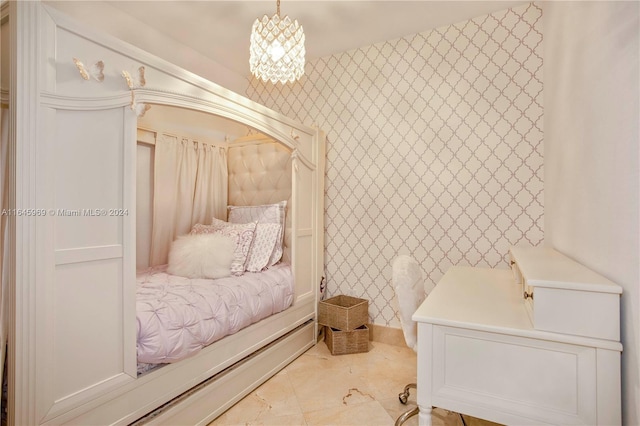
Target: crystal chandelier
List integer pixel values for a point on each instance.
(277, 49)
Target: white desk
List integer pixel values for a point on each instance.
(479, 354)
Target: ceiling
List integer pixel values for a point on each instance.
(220, 29)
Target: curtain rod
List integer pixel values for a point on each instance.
(179, 137)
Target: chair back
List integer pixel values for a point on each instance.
(410, 293)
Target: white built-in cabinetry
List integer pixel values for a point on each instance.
(72, 344)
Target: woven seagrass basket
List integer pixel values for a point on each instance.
(343, 313)
(347, 342)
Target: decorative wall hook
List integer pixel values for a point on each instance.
(135, 79)
(95, 71)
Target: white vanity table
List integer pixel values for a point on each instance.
(538, 344)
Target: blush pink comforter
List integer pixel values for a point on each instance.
(178, 316)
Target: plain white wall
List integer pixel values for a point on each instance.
(591, 139)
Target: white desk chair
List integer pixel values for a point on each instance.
(410, 292)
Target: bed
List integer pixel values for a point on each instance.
(222, 275)
(75, 291)
(178, 316)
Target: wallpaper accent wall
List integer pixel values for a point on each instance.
(434, 150)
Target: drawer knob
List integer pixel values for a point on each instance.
(528, 295)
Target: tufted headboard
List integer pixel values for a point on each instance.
(260, 173)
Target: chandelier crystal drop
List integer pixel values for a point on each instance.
(277, 49)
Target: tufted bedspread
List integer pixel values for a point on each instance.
(177, 316)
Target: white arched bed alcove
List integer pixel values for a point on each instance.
(72, 340)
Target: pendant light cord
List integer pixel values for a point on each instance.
(278, 7)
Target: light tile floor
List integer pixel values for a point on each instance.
(321, 389)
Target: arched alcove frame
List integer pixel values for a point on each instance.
(61, 278)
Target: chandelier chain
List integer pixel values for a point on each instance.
(278, 7)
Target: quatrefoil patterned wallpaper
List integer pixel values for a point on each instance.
(435, 149)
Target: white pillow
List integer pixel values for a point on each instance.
(266, 213)
(201, 256)
(242, 235)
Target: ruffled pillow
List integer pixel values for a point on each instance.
(242, 235)
(266, 213)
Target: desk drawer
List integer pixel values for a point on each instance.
(547, 382)
(563, 296)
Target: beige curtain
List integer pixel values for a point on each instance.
(190, 186)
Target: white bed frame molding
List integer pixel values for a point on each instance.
(72, 343)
